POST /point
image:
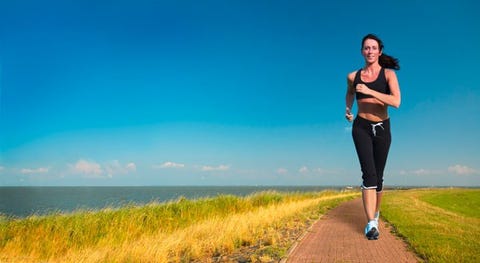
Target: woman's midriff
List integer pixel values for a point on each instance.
(372, 109)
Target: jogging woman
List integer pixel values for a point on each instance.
(375, 87)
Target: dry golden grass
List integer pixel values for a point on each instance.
(257, 219)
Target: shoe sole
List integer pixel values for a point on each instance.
(372, 234)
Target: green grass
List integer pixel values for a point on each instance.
(441, 225)
(51, 237)
(464, 202)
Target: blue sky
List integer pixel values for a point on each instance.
(230, 92)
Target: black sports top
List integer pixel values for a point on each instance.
(380, 84)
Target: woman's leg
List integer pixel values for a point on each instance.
(362, 137)
(370, 202)
(381, 142)
(378, 201)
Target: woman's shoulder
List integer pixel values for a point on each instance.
(390, 73)
(351, 75)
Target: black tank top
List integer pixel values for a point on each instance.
(380, 84)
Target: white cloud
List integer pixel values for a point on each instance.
(323, 172)
(421, 172)
(87, 168)
(169, 165)
(454, 169)
(303, 169)
(221, 167)
(92, 169)
(282, 171)
(131, 167)
(462, 170)
(424, 172)
(115, 167)
(34, 171)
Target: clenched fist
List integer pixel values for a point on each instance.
(362, 88)
(348, 114)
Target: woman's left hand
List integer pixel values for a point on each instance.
(362, 88)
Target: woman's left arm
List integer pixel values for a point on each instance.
(393, 99)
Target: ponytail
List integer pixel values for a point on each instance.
(387, 61)
(384, 60)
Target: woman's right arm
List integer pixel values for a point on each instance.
(349, 97)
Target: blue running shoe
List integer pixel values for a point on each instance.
(371, 230)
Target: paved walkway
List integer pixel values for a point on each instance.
(338, 237)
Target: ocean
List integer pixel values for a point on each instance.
(26, 201)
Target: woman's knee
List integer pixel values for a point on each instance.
(369, 181)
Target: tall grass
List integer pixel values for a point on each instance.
(442, 225)
(176, 231)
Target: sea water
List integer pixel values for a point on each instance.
(26, 201)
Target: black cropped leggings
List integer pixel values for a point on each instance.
(372, 142)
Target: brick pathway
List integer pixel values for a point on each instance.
(338, 237)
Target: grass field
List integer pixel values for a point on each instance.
(181, 231)
(441, 225)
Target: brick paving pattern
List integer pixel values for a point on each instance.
(338, 237)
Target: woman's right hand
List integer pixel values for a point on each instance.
(348, 114)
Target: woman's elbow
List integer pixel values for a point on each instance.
(396, 104)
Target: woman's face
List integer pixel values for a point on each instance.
(371, 51)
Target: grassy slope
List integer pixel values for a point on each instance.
(181, 231)
(442, 225)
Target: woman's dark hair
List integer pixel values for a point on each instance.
(384, 60)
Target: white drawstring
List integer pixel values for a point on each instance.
(374, 126)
